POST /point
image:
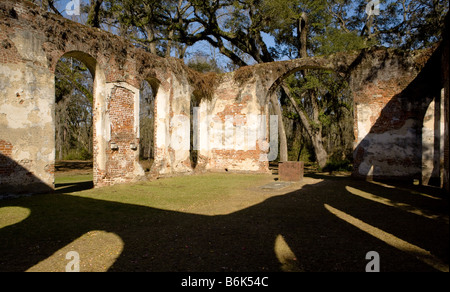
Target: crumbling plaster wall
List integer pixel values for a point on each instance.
(392, 92)
(433, 143)
(230, 134)
(172, 126)
(240, 135)
(32, 42)
(26, 110)
(387, 132)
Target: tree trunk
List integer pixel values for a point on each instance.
(94, 13)
(169, 44)
(281, 130)
(321, 154)
(151, 38)
(302, 35)
(315, 136)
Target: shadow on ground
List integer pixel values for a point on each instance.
(160, 240)
(67, 188)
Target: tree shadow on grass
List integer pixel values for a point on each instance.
(242, 241)
(68, 188)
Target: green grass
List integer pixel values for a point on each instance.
(186, 193)
(97, 222)
(216, 222)
(72, 179)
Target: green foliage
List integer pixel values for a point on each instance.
(146, 121)
(78, 154)
(202, 63)
(335, 40)
(338, 165)
(410, 24)
(339, 160)
(73, 111)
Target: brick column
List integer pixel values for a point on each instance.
(117, 158)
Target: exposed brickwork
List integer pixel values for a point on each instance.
(121, 110)
(236, 112)
(6, 165)
(291, 170)
(392, 93)
(45, 38)
(121, 149)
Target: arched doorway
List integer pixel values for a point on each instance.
(77, 88)
(433, 142)
(148, 91)
(317, 114)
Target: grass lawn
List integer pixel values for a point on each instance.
(211, 194)
(223, 222)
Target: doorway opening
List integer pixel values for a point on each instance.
(74, 135)
(148, 92)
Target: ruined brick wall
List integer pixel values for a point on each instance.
(31, 43)
(230, 135)
(172, 126)
(391, 99)
(25, 109)
(6, 167)
(239, 107)
(120, 166)
(392, 92)
(14, 175)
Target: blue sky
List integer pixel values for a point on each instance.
(62, 5)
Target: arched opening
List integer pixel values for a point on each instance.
(433, 128)
(74, 121)
(317, 112)
(194, 131)
(148, 91)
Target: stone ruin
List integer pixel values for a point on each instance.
(401, 110)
